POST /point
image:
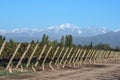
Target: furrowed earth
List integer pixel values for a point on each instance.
(110, 71)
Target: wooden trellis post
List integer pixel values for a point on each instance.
(53, 58)
(3, 45)
(69, 62)
(106, 56)
(13, 56)
(91, 60)
(29, 60)
(82, 57)
(19, 62)
(67, 57)
(118, 56)
(87, 56)
(102, 56)
(63, 56)
(111, 56)
(92, 56)
(43, 63)
(115, 56)
(56, 62)
(40, 56)
(79, 54)
(75, 57)
(96, 56)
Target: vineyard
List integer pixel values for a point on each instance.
(36, 56)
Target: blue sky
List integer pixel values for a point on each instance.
(44, 13)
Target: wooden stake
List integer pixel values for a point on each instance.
(3, 45)
(69, 62)
(92, 57)
(43, 64)
(56, 62)
(19, 62)
(13, 56)
(63, 56)
(96, 57)
(75, 57)
(87, 56)
(53, 58)
(29, 60)
(40, 56)
(79, 54)
(67, 57)
(82, 57)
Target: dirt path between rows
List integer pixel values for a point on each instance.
(84, 72)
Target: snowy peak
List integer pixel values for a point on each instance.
(24, 30)
(117, 30)
(72, 26)
(80, 31)
(103, 30)
(64, 26)
(66, 29)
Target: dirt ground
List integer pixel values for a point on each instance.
(84, 72)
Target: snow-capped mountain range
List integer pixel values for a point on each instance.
(55, 32)
(62, 30)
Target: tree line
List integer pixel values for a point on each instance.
(66, 41)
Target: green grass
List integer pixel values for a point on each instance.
(6, 73)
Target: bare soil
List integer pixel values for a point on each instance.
(84, 72)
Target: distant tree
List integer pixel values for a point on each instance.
(4, 38)
(62, 41)
(69, 40)
(11, 42)
(45, 39)
(103, 46)
(80, 46)
(1, 40)
(99, 46)
(117, 48)
(32, 42)
(106, 47)
(0, 37)
(91, 45)
(55, 43)
(37, 41)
